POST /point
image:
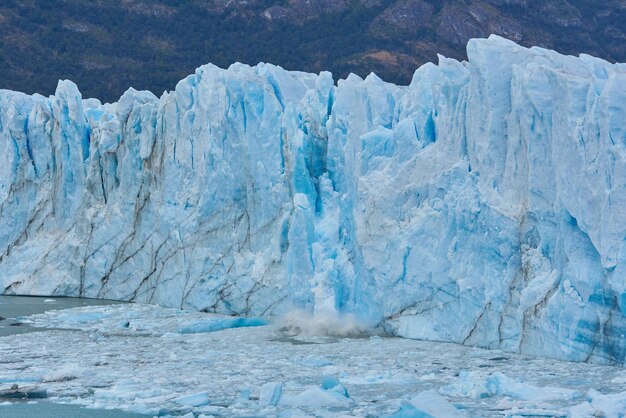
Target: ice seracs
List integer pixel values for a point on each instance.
(483, 204)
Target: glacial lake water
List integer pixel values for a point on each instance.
(12, 309)
(52, 410)
(165, 361)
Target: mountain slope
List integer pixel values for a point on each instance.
(106, 46)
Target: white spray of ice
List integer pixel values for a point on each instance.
(325, 322)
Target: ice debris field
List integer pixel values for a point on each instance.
(166, 362)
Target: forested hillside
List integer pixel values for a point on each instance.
(105, 46)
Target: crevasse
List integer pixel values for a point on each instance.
(483, 204)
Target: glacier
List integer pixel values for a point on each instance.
(483, 204)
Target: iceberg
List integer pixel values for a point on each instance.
(271, 393)
(428, 404)
(483, 204)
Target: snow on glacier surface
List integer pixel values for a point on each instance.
(483, 204)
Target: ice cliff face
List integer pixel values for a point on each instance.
(483, 204)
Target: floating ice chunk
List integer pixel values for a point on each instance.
(77, 317)
(532, 412)
(408, 410)
(620, 379)
(582, 410)
(298, 413)
(198, 399)
(467, 385)
(428, 404)
(332, 383)
(49, 300)
(16, 391)
(499, 384)
(219, 324)
(244, 393)
(387, 377)
(613, 405)
(331, 393)
(315, 362)
(63, 373)
(316, 397)
(473, 385)
(270, 394)
(128, 391)
(436, 405)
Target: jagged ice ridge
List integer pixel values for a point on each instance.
(483, 204)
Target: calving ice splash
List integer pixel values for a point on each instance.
(483, 204)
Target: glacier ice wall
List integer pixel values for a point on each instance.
(483, 204)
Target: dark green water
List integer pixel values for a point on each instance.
(14, 307)
(51, 410)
